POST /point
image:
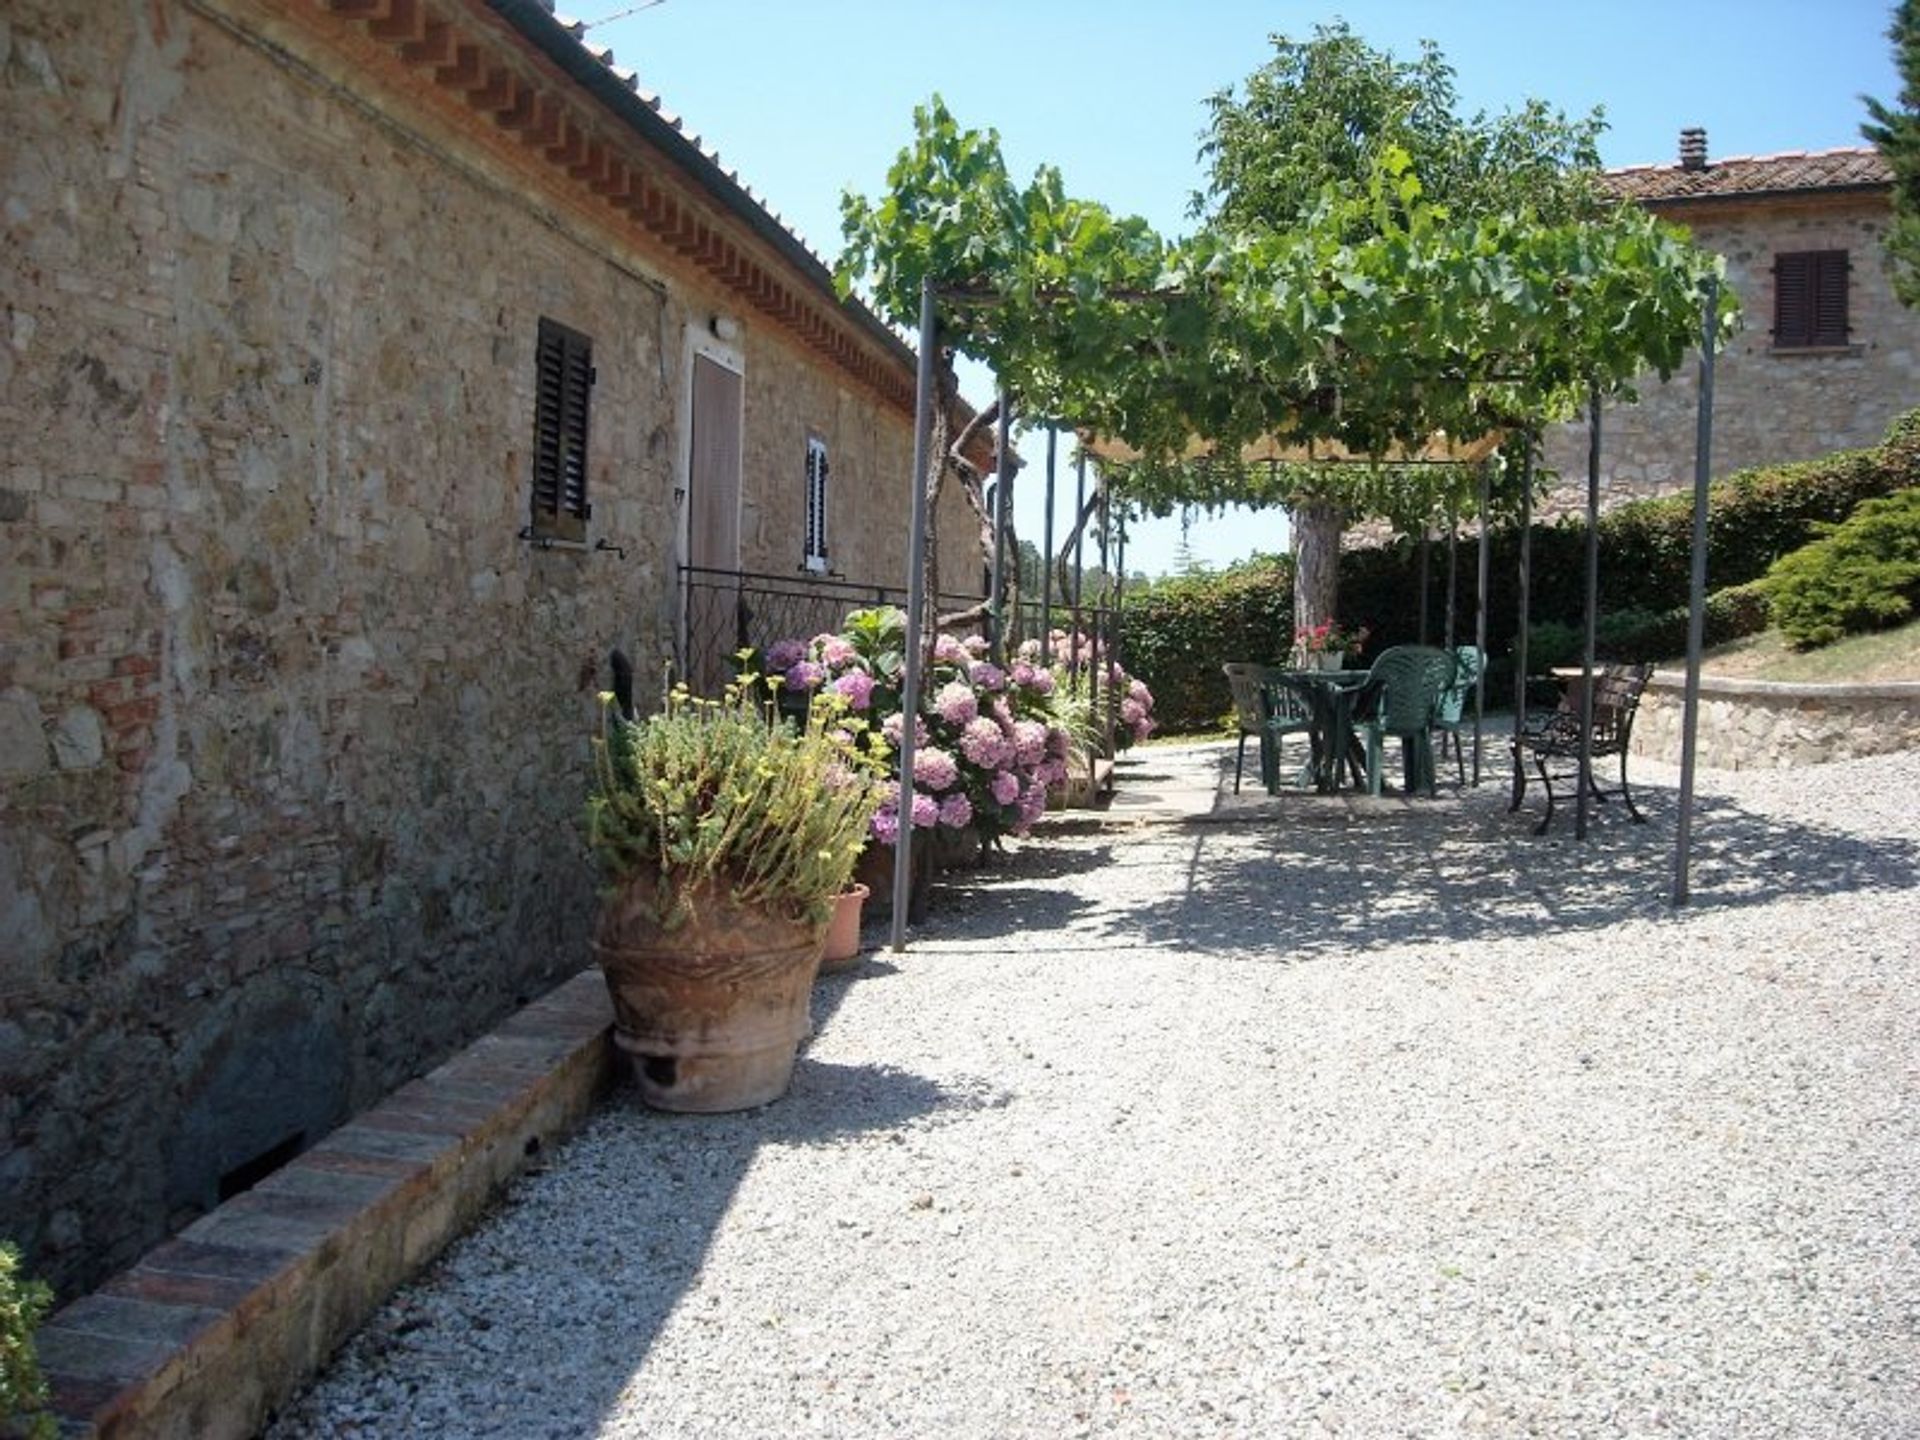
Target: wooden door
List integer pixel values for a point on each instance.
(713, 526)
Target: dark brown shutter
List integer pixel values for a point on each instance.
(563, 389)
(1810, 299)
(1830, 298)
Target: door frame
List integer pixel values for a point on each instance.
(701, 343)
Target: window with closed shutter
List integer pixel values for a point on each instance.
(563, 389)
(1810, 300)
(818, 470)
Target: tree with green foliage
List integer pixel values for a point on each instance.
(1895, 131)
(1319, 117)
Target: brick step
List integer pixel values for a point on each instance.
(216, 1327)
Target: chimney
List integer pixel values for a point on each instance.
(1693, 148)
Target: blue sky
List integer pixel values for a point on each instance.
(807, 99)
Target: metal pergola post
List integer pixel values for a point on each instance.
(1002, 494)
(1524, 604)
(1453, 557)
(1593, 609)
(1074, 657)
(1046, 554)
(916, 604)
(1481, 588)
(1697, 594)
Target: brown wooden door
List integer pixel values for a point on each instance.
(713, 527)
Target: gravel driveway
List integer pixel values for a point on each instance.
(1370, 1119)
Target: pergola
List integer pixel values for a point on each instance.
(1283, 449)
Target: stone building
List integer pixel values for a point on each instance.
(1826, 357)
(370, 368)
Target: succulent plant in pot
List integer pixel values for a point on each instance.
(724, 832)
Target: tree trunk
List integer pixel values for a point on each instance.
(1317, 525)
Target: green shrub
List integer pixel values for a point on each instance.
(1551, 643)
(23, 1389)
(1179, 631)
(1863, 574)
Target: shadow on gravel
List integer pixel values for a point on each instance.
(1399, 873)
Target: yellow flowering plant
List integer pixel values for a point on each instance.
(729, 797)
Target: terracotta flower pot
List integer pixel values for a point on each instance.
(711, 1013)
(842, 949)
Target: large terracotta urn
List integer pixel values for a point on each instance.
(711, 1012)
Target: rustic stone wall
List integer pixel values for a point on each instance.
(293, 726)
(1769, 407)
(1762, 725)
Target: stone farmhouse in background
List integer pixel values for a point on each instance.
(371, 368)
(1827, 358)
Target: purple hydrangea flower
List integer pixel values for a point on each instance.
(987, 676)
(956, 811)
(926, 811)
(1006, 787)
(857, 687)
(805, 675)
(783, 655)
(885, 824)
(1029, 742)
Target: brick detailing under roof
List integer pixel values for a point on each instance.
(1739, 176)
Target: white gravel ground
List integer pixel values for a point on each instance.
(1366, 1119)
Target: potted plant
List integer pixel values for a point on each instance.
(725, 831)
(1322, 646)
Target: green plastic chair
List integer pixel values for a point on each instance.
(1268, 706)
(1468, 662)
(1400, 699)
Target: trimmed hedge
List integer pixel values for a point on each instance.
(1179, 631)
(1862, 575)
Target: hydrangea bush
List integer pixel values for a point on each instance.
(987, 738)
(1078, 656)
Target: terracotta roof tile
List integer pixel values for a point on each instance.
(1738, 175)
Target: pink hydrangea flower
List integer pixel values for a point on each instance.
(926, 811)
(857, 686)
(1006, 787)
(947, 650)
(975, 645)
(885, 825)
(935, 769)
(956, 703)
(894, 729)
(1052, 772)
(838, 652)
(984, 743)
(956, 811)
(1138, 690)
(1029, 742)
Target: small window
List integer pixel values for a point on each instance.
(1810, 300)
(563, 386)
(817, 472)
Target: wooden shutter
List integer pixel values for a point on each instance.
(563, 391)
(1810, 299)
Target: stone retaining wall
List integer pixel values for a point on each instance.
(1770, 724)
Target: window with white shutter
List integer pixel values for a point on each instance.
(818, 471)
(1810, 300)
(563, 390)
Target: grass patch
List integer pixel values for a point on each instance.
(1884, 655)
